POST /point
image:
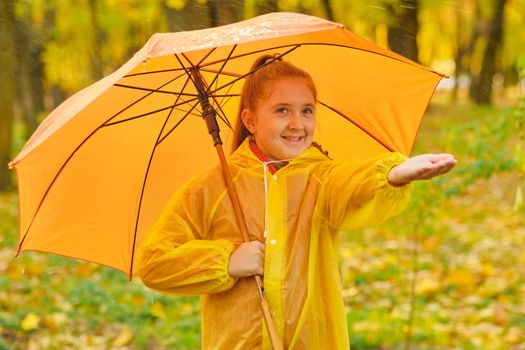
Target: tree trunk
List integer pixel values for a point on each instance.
(98, 39)
(481, 90)
(29, 74)
(267, 6)
(458, 59)
(193, 16)
(329, 11)
(225, 12)
(403, 30)
(7, 83)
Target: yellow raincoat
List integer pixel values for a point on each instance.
(304, 206)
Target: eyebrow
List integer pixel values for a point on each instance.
(282, 104)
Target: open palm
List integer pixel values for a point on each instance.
(421, 167)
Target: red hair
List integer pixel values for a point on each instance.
(266, 69)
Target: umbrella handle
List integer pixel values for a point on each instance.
(265, 308)
(208, 113)
(270, 325)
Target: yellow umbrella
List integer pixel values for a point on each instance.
(97, 172)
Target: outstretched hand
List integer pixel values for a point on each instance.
(422, 167)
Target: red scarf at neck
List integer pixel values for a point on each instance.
(262, 157)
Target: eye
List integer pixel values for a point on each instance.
(308, 110)
(282, 110)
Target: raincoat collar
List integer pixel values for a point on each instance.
(263, 158)
(245, 157)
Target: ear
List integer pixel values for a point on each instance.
(248, 119)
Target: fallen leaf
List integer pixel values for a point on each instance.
(500, 316)
(124, 338)
(427, 287)
(30, 322)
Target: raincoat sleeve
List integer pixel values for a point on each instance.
(175, 256)
(359, 196)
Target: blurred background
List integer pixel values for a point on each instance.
(447, 274)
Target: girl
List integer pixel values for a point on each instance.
(295, 201)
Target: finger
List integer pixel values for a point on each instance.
(261, 246)
(446, 165)
(439, 156)
(438, 169)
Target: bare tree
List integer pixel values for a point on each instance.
(404, 27)
(7, 83)
(225, 12)
(29, 89)
(266, 6)
(329, 11)
(98, 40)
(481, 88)
(192, 16)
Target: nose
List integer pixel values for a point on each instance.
(296, 123)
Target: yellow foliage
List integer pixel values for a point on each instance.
(124, 338)
(176, 4)
(33, 269)
(427, 287)
(515, 336)
(500, 316)
(518, 201)
(30, 322)
(431, 244)
(492, 287)
(138, 300)
(463, 279)
(158, 311)
(522, 258)
(53, 321)
(186, 308)
(84, 270)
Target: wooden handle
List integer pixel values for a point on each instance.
(267, 314)
(270, 326)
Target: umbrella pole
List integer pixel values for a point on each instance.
(208, 114)
(265, 308)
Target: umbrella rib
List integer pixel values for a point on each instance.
(225, 120)
(71, 156)
(178, 123)
(142, 98)
(288, 45)
(216, 77)
(150, 113)
(215, 80)
(164, 91)
(357, 125)
(51, 185)
(207, 55)
(208, 70)
(146, 177)
(225, 100)
(257, 68)
(184, 67)
(335, 45)
(144, 187)
(154, 90)
(152, 72)
(253, 53)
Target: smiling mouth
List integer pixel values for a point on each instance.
(293, 138)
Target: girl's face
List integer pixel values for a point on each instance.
(283, 124)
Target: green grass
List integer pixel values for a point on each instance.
(468, 257)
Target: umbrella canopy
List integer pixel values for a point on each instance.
(97, 172)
